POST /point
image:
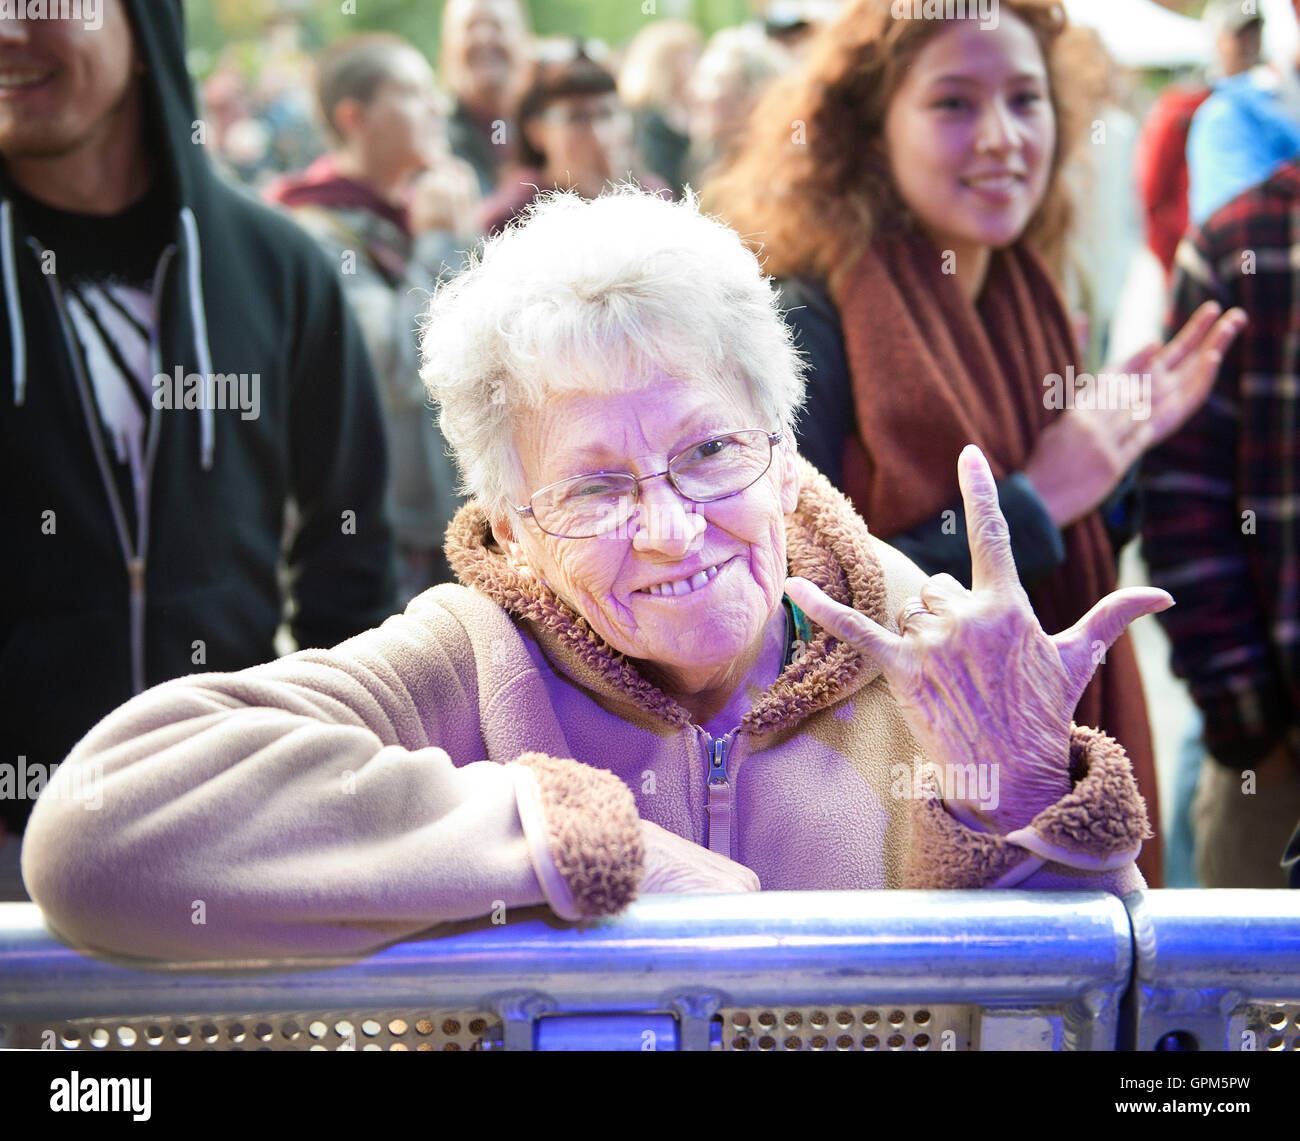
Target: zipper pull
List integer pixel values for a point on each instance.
(135, 575)
(718, 806)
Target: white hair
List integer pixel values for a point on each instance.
(747, 50)
(599, 297)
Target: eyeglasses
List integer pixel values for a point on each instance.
(578, 118)
(597, 503)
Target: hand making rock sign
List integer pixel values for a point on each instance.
(976, 677)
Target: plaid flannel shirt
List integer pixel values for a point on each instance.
(1222, 496)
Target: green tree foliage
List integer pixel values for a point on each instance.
(216, 23)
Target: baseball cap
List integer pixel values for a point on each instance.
(1231, 15)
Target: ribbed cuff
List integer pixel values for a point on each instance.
(1098, 826)
(1101, 823)
(528, 796)
(586, 847)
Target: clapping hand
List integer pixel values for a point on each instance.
(1082, 456)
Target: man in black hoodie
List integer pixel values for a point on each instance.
(180, 365)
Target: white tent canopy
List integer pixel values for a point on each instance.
(1281, 35)
(1140, 33)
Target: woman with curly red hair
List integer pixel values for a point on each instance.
(905, 188)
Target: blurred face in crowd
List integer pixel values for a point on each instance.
(485, 46)
(1240, 51)
(587, 140)
(401, 129)
(681, 65)
(721, 101)
(687, 587)
(970, 135)
(64, 86)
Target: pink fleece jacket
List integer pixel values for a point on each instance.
(486, 750)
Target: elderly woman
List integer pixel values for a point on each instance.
(630, 691)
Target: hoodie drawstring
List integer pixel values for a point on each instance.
(13, 303)
(199, 320)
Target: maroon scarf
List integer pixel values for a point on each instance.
(932, 372)
(321, 184)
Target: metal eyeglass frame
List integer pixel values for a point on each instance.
(773, 438)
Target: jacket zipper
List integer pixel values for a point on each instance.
(134, 557)
(718, 805)
(718, 789)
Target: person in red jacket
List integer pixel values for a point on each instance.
(1161, 157)
(1161, 162)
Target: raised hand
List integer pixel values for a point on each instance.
(1083, 454)
(977, 679)
(445, 197)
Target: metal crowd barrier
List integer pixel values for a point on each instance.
(772, 971)
(1216, 970)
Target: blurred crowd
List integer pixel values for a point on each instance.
(677, 101)
(1157, 193)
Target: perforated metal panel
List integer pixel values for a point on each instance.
(333, 1030)
(1274, 1027)
(836, 1029)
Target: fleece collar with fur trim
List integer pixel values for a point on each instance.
(826, 543)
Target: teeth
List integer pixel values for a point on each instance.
(682, 585)
(20, 78)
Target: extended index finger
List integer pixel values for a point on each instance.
(845, 623)
(992, 564)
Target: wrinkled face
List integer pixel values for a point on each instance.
(485, 45)
(970, 134)
(402, 126)
(61, 83)
(608, 579)
(587, 140)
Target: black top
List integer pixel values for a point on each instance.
(940, 544)
(123, 247)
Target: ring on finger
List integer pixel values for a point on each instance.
(912, 609)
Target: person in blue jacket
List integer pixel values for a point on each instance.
(1247, 128)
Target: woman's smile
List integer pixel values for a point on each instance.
(685, 583)
(998, 187)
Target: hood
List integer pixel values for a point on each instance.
(171, 123)
(826, 542)
(159, 27)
